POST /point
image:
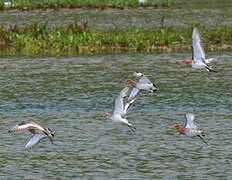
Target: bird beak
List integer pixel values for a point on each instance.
(155, 90)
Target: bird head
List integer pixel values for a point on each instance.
(50, 133)
(138, 74)
(154, 88)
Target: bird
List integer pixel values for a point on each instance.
(143, 83)
(118, 114)
(130, 97)
(132, 92)
(198, 60)
(39, 132)
(190, 128)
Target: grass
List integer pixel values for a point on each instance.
(101, 4)
(39, 40)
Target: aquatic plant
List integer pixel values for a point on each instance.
(101, 4)
(37, 39)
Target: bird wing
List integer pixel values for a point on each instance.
(132, 97)
(198, 51)
(209, 60)
(24, 126)
(190, 123)
(144, 80)
(119, 101)
(133, 94)
(34, 140)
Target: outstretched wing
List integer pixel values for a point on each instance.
(198, 51)
(133, 94)
(34, 140)
(25, 125)
(190, 123)
(119, 101)
(131, 99)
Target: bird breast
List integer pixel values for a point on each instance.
(193, 132)
(116, 117)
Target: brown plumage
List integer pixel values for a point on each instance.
(179, 128)
(39, 132)
(187, 62)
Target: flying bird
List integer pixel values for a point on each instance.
(198, 60)
(131, 94)
(39, 132)
(118, 114)
(190, 128)
(142, 83)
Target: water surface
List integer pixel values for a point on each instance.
(66, 93)
(111, 18)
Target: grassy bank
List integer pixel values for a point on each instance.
(101, 4)
(37, 40)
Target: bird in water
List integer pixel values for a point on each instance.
(198, 60)
(190, 128)
(39, 132)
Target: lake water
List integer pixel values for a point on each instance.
(209, 14)
(66, 93)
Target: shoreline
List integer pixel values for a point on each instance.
(75, 39)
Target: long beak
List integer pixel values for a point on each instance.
(200, 136)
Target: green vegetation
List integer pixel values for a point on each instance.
(38, 40)
(101, 4)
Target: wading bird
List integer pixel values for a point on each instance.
(198, 60)
(190, 128)
(39, 132)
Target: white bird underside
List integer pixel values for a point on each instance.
(35, 139)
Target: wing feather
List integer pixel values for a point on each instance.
(119, 101)
(24, 126)
(198, 51)
(34, 140)
(190, 123)
(131, 99)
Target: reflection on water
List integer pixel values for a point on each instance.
(66, 93)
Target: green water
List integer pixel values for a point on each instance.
(66, 93)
